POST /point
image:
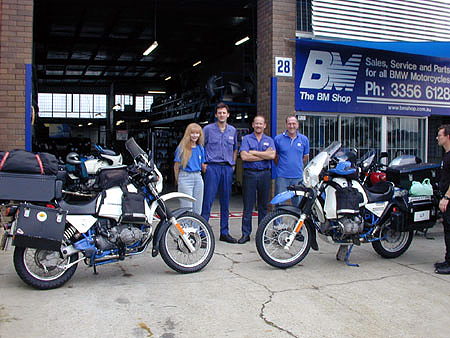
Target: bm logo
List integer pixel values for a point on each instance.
(325, 70)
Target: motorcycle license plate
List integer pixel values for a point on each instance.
(421, 215)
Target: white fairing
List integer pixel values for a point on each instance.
(113, 159)
(317, 164)
(313, 169)
(330, 200)
(159, 184)
(112, 203)
(93, 165)
(377, 208)
(81, 222)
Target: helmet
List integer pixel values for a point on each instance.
(73, 158)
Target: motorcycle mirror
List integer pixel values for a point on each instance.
(383, 154)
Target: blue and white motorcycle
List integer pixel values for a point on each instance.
(342, 210)
(51, 238)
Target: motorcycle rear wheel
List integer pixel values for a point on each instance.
(271, 237)
(174, 251)
(43, 269)
(395, 243)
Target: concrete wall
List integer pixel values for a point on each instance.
(276, 25)
(16, 39)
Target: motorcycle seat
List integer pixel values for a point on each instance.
(382, 191)
(84, 208)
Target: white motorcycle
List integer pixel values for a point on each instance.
(343, 211)
(122, 221)
(82, 173)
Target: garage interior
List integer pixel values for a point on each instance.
(97, 48)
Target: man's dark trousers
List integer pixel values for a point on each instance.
(218, 177)
(446, 224)
(255, 183)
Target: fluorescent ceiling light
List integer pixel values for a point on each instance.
(196, 64)
(156, 92)
(167, 78)
(118, 123)
(241, 41)
(80, 125)
(144, 120)
(117, 106)
(151, 48)
(90, 124)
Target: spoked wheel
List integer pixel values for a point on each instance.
(175, 252)
(43, 269)
(393, 243)
(272, 235)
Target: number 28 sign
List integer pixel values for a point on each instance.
(283, 66)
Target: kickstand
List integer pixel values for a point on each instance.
(348, 255)
(344, 253)
(95, 269)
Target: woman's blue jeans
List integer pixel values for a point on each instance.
(191, 183)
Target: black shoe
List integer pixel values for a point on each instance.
(227, 238)
(440, 264)
(244, 239)
(444, 269)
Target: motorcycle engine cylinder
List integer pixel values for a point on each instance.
(351, 224)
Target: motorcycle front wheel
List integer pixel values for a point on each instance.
(393, 243)
(177, 255)
(43, 269)
(271, 237)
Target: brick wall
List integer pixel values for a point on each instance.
(275, 37)
(16, 18)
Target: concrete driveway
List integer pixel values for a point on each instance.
(239, 295)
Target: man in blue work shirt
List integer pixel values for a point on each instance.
(292, 153)
(257, 150)
(221, 152)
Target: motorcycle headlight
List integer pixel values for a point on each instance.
(307, 179)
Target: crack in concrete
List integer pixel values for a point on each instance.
(319, 288)
(434, 275)
(263, 306)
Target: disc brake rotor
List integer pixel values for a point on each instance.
(194, 238)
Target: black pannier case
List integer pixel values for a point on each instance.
(421, 214)
(31, 187)
(39, 227)
(402, 176)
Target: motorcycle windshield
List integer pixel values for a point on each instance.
(366, 161)
(315, 166)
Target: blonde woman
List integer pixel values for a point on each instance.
(189, 163)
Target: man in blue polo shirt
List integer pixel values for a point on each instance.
(292, 153)
(221, 152)
(257, 150)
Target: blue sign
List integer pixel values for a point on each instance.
(346, 79)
